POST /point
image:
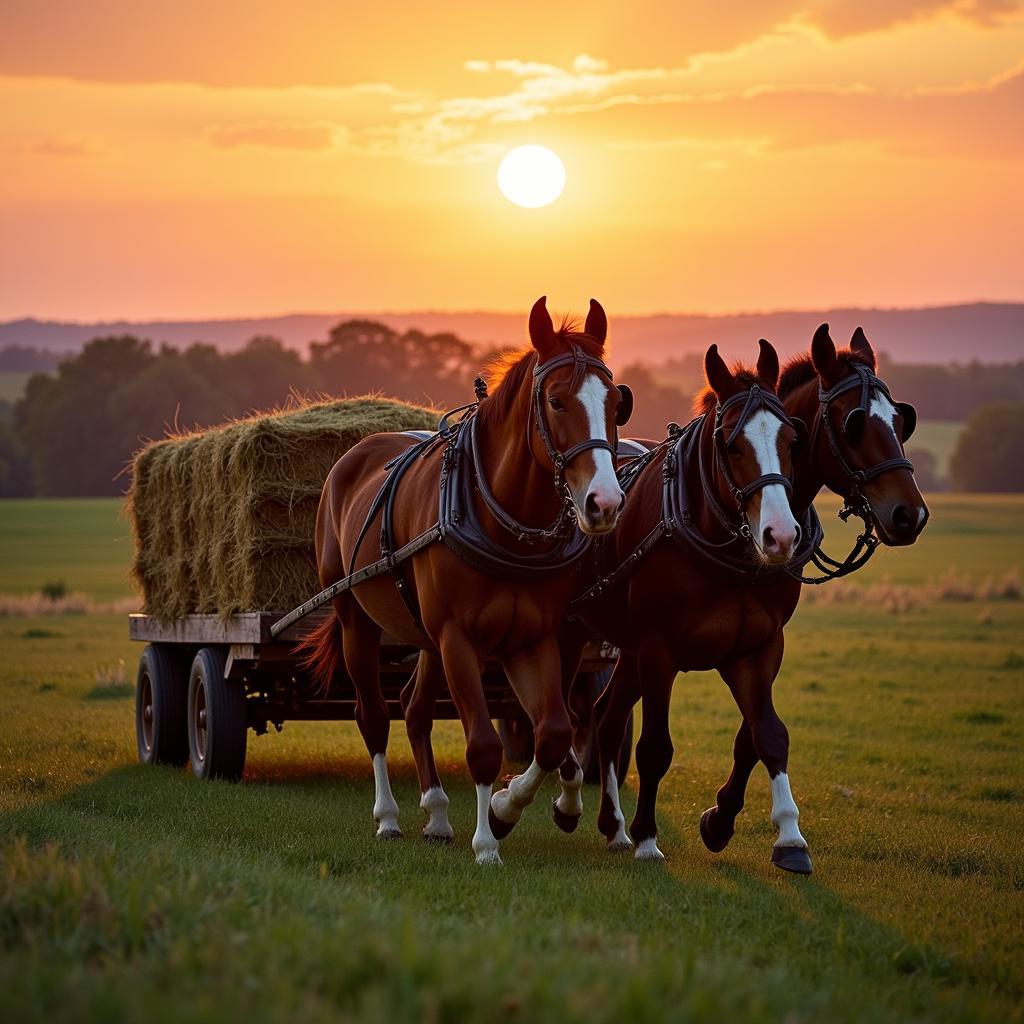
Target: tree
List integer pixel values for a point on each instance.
(76, 446)
(989, 455)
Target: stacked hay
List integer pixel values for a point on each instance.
(224, 518)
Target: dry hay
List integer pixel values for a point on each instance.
(224, 518)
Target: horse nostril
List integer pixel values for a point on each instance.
(768, 539)
(903, 520)
(797, 534)
(590, 506)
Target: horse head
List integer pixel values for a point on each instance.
(754, 441)
(577, 409)
(866, 431)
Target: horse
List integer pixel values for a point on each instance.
(530, 470)
(686, 611)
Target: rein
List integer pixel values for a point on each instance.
(854, 504)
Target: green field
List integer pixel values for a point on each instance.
(12, 384)
(142, 894)
(938, 437)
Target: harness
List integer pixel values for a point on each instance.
(458, 525)
(855, 504)
(680, 451)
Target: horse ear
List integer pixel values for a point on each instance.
(542, 330)
(860, 344)
(823, 353)
(597, 323)
(768, 364)
(717, 373)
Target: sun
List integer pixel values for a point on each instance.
(531, 176)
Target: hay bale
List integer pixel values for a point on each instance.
(223, 519)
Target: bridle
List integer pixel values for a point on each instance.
(856, 503)
(754, 400)
(580, 362)
(864, 379)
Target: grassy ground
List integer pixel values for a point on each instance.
(938, 437)
(134, 893)
(12, 384)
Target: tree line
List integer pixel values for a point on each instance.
(74, 430)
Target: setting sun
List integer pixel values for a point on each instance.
(531, 176)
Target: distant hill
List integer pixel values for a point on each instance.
(984, 331)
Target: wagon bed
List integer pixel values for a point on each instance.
(204, 680)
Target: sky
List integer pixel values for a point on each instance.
(200, 159)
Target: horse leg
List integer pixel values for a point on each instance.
(361, 647)
(536, 680)
(654, 750)
(418, 699)
(462, 668)
(567, 808)
(718, 823)
(750, 680)
(615, 706)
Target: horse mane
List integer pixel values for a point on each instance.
(705, 400)
(508, 371)
(799, 370)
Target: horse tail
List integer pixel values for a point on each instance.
(320, 650)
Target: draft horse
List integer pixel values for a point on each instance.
(690, 609)
(514, 491)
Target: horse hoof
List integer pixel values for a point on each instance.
(716, 844)
(648, 850)
(619, 844)
(486, 857)
(387, 835)
(499, 828)
(438, 838)
(792, 858)
(566, 822)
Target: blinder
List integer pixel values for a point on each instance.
(854, 423)
(909, 416)
(625, 409)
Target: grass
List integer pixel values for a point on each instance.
(938, 437)
(131, 893)
(83, 542)
(12, 384)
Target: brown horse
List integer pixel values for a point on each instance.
(551, 419)
(683, 610)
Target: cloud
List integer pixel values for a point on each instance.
(841, 18)
(312, 135)
(63, 147)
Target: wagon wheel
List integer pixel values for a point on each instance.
(161, 698)
(585, 691)
(217, 720)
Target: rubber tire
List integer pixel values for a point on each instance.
(220, 753)
(163, 678)
(585, 740)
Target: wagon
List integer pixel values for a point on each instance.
(204, 681)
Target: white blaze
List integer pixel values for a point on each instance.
(593, 394)
(762, 433)
(884, 410)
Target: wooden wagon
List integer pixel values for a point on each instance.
(204, 681)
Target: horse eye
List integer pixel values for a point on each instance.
(556, 403)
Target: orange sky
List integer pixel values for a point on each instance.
(196, 159)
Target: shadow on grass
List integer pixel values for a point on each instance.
(305, 822)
